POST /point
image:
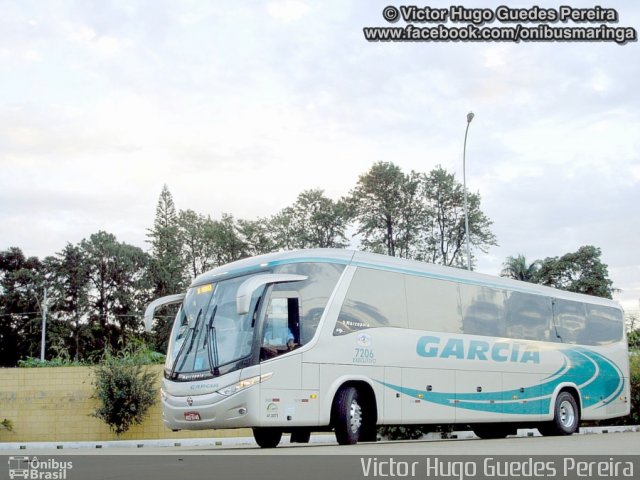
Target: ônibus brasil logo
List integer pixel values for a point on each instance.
(32, 468)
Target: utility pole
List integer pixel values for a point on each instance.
(44, 324)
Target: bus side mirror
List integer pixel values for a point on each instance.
(159, 302)
(246, 289)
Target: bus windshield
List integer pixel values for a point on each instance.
(208, 332)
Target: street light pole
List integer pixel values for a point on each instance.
(464, 181)
(44, 325)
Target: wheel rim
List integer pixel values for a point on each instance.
(355, 416)
(567, 414)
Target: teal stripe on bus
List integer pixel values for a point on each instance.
(598, 379)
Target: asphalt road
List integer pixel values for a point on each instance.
(435, 459)
(627, 443)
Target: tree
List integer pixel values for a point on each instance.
(256, 236)
(125, 389)
(313, 221)
(208, 243)
(223, 235)
(21, 288)
(519, 269)
(444, 235)
(120, 287)
(198, 253)
(69, 278)
(581, 272)
(633, 331)
(419, 216)
(384, 204)
(168, 265)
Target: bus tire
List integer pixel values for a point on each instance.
(566, 417)
(267, 437)
(369, 433)
(490, 430)
(347, 416)
(300, 436)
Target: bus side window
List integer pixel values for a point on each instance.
(312, 295)
(376, 298)
(604, 325)
(569, 318)
(433, 305)
(529, 317)
(482, 310)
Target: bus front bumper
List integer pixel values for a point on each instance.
(210, 411)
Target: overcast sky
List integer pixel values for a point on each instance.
(239, 106)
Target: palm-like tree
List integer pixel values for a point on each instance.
(518, 269)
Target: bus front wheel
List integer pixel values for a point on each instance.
(267, 437)
(347, 416)
(566, 417)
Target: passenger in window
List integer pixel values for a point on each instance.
(277, 339)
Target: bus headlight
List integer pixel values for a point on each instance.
(243, 384)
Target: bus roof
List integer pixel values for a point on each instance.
(394, 264)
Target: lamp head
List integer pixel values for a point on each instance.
(470, 116)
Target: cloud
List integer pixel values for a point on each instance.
(288, 11)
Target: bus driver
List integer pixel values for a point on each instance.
(277, 338)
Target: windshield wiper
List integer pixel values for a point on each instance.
(212, 346)
(192, 332)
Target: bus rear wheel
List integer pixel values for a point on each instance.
(348, 416)
(566, 417)
(267, 437)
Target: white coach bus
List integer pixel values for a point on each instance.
(318, 340)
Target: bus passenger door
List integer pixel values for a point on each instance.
(281, 396)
